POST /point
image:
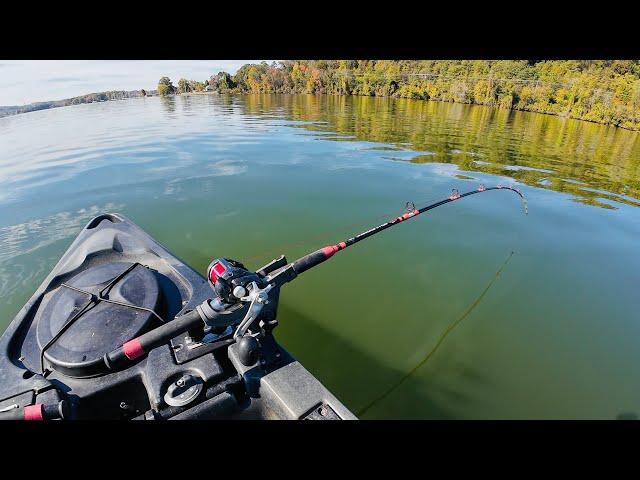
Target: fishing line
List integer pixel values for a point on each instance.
(444, 335)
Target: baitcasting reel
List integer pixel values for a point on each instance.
(244, 300)
(236, 287)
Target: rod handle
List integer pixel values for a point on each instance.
(315, 258)
(140, 346)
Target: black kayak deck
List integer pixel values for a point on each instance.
(114, 282)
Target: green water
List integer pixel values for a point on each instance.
(249, 177)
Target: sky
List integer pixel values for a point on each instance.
(28, 81)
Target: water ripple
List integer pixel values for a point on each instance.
(27, 237)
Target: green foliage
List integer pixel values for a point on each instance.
(187, 86)
(165, 87)
(602, 91)
(221, 83)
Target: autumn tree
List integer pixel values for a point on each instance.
(165, 87)
(603, 91)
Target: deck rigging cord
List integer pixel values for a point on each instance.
(93, 300)
(442, 338)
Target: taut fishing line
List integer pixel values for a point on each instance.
(443, 336)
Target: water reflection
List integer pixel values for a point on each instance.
(590, 162)
(169, 104)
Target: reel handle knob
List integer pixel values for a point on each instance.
(248, 350)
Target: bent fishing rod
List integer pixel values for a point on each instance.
(247, 301)
(315, 258)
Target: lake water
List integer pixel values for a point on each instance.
(555, 335)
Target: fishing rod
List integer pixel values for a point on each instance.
(315, 258)
(247, 301)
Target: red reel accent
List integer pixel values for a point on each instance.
(217, 270)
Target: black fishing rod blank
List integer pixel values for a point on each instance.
(315, 258)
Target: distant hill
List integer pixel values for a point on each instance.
(89, 98)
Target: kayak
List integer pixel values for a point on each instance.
(102, 338)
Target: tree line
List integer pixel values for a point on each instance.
(88, 98)
(601, 91)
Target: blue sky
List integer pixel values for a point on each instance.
(27, 81)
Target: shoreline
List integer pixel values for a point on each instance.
(95, 97)
(115, 95)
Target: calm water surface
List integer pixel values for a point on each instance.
(250, 177)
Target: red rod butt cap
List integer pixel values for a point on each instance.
(34, 412)
(133, 349)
